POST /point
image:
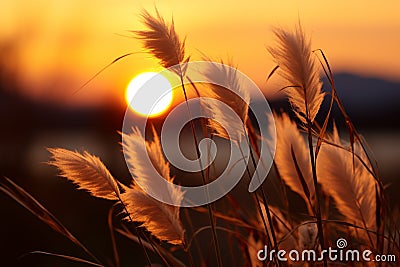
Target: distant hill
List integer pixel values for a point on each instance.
(370, 102)
(368, 96)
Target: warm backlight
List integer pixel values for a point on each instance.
(149, 94)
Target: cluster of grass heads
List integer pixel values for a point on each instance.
(337, 179)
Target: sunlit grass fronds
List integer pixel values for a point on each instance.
(231, 92)
(161, 40)
(351, 186)
(136, 148)
(142, 172)
(160, 219)
(86, 171)
(156, 156)
(223, 124)
(324, 174)
(292, 158)
(298, 67)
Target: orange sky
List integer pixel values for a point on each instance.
(60, 44)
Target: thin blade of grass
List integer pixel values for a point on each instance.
(168, 255)
(232, 220)
(234, 233)
(103, 69)
(378, 208)
(30, 203)
(257, 200)
(272, 72)
(67, 257)
(113, 242)
(264, 198)
(330, 75)
(299, 174)
(333, 93)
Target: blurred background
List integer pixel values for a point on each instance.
(48, 49)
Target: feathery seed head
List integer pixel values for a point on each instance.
(162, 41)
(298, 67)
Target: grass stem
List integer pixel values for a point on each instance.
(209, 206)
(315, 181)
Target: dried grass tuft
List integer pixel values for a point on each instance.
(292, 158)
(160, 219)
(161, 40)
(86, 171)
(298, 67)
(351, 186)
(231, 93)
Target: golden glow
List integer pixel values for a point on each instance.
(149, 94)
(63, 43)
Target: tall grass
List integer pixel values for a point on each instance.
(336, 179)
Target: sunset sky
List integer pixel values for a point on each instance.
(58, 45)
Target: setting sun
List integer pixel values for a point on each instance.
(149, 94)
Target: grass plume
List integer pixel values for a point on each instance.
(290, 143)
(160, 219)
(351, 186)
(86, 171)
(162, 41)
(231, 93)
(298, 67)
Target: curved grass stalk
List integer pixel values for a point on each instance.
(66, 257)
(166, 255)
(30, 203)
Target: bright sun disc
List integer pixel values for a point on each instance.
(149, 94)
